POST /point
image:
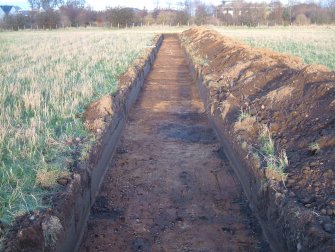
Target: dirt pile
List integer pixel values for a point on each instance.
(279, 115)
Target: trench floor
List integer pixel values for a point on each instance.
(170, 187)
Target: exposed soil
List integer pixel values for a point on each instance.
(170, 187)
(297, 103)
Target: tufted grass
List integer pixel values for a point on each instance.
(46, 80)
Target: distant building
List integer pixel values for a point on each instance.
(239, 8)
(8, 10)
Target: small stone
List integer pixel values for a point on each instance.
(262, 107)
(324, 211)
(307, 171)
(299, 247)
(32, 218)
(253, 111)
(314, 164)
(275, 127)
(308, 205)
(29, 236)
(63, 181)
(307, 168)
(328, 174)
(78, 139)
(307, 200)
(292, 194)
(315, 231)
(328, 227)
(244, 145)
(329, 212)
(290, 181)
(276, 114)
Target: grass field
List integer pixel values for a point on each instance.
(46, 80)
(48, 77)
(314, 44)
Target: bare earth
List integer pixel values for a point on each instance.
(170, 187)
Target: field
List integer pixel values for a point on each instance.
(46, 80)
(314, 44)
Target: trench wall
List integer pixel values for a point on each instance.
(85, 190)
(61, 228)
(231, 77)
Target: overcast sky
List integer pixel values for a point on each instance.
(102, 4)
(148, 4)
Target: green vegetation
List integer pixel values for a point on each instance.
(275, 162)
(314, 148)
(46, 80)
(243, 115)
(314, 44)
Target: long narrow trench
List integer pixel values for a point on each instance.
(170, 187)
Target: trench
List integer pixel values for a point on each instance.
(169, 186)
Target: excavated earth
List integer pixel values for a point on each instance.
(170, 186)
(296, 102)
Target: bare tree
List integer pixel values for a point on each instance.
(35, 4)
(201, 13)
(76, 3)
(277, 13)
(74, 12)
(45, 4)
(120, 16)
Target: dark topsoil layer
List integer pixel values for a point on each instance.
(297, 103)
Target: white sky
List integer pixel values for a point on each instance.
(149, 4)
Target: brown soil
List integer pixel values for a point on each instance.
(295, 101)
(170, 187)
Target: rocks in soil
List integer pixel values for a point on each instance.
(330, 212)
(329, 228)
(30, 237)
(302, 115)
(307, 199)
(292, 194)
(63, 181)
(290, 182)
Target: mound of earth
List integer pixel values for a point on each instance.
(256, 90)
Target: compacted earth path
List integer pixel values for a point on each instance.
(170, 187)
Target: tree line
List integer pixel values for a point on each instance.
(51, 14)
